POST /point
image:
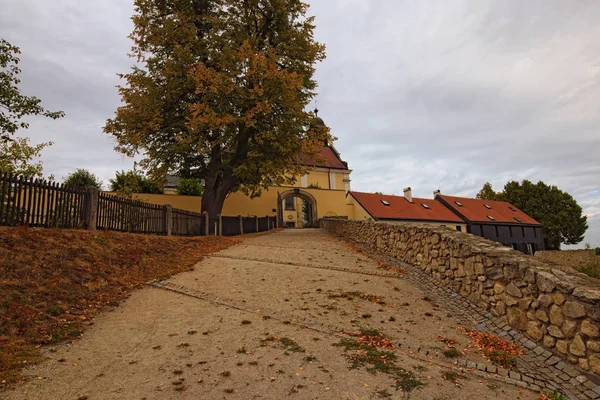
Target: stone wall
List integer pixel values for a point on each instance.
(556, 306)
(569, 258)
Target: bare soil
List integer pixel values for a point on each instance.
(161, 344)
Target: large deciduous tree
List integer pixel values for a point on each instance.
(220, 93)
(558, 211)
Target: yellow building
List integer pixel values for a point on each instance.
(320, 193)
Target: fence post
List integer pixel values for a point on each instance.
(168, 219)
(256, 216)
(241, 225)
(219, 232)
(90, 213)
(206, 223)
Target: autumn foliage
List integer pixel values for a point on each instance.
(220, 93)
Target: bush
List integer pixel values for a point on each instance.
(597, 250)
(133, 182)
(82, 179)
(189, 187)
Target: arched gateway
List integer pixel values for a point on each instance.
(311, 205)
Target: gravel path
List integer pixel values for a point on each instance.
(259, 321)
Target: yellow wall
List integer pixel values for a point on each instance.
(360, 214)
(329, 202)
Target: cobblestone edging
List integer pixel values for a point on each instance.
(538, 369)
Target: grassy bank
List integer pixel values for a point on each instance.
(53, 282)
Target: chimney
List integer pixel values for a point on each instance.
(408, 194)
(435, 194)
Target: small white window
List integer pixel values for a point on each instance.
(487, 206)
(385, 202)
(425, 206)
(458, 203)
(492, 218)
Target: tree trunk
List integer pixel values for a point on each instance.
(216, 190)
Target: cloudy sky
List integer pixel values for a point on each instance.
(427, 94)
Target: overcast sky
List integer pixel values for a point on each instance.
(427, 94)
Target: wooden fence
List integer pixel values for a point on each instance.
(38, 203)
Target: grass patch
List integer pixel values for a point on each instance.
(364, 353)
(452, 376)
(590, 270)
(53, 281)
(451, 352)
(291, 345)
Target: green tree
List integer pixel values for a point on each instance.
(486, 193)
(13, 105)
(82, 179)
(189, 187)
(562, 217)
(133, 181)
(221, 94)
(18, 157)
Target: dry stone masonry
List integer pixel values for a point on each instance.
(556, 306)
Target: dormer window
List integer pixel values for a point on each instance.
(487, 206)
(491, 218)
(517, 219)
(458, 203)
(385, 203)
(425, 206)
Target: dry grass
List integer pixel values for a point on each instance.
(53, 281)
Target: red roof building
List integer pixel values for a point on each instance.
(327, 157)
(498, 221)
(406, 209)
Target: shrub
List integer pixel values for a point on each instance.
(189, 187)
(81, 179)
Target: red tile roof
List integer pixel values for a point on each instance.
(327, 158)
(401, 209)
(475, 210)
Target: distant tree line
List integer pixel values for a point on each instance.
(562, 217)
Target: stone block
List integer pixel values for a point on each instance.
(510, 301)
(595, 363)
(499, 288)
(535, 330)
(549, 341)
(545, 300)
(513, 290)
(569, 328)
(558, 298)
(479, 269)
(517, 318)
(594, 345)
(524, 303)
(542, 316)
(546, 282)
(587, 294)
(556, 315)
(577, 347)
(573, 309)
(555, 332)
